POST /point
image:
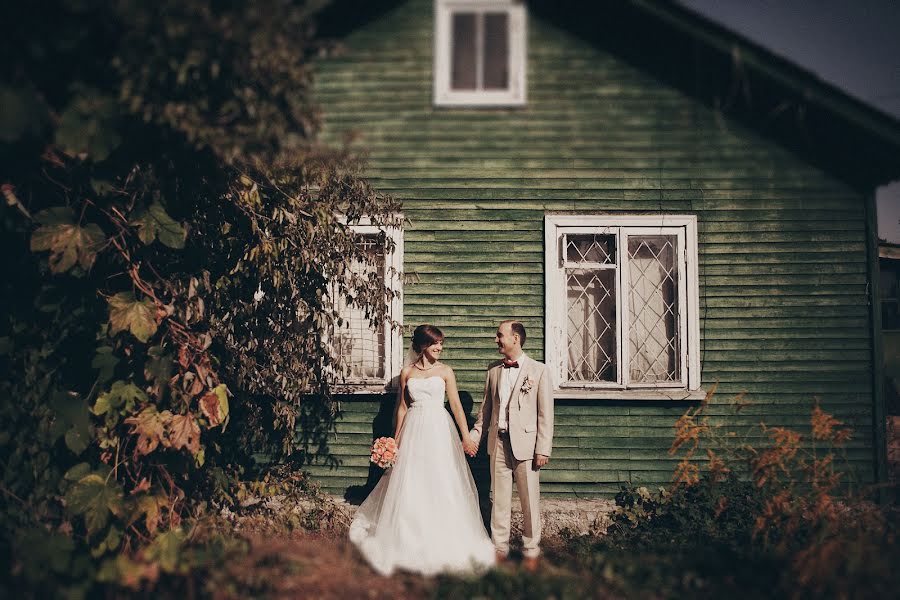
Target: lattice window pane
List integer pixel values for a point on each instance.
(653, 337)
(591, 248)
(591, 316)
(360, 346)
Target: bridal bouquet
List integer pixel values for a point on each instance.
(384, 452)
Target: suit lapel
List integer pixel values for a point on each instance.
(518, 384)
(495, 391)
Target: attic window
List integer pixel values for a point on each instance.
(479, 53)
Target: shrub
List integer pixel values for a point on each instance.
(174, 253)
(756, 519)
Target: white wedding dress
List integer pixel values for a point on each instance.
(423, 515)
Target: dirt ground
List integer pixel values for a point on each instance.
(323, 566)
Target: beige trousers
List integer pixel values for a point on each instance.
(504, 470)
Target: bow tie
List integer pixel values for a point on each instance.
(510, 364)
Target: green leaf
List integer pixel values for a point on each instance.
(121, 393)
(109, 543)
(158, 369)
(89, 126)
(78, 438)
(42, 552)
(105, 362)
(21, 114)
(68, 242)
(155, 222)
(102, 186)
(166, 550)
(77, 472)
(128, 314)
(73, 418)
(94, 498)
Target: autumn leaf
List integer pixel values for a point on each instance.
(184, 433)
(214, 405)
(95, 498)
(150, 427)
(150, 508)
(68, 243)
(129, 314)
(191, 384)
(155, 222)
(143, 486)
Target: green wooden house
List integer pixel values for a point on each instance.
(664, 205)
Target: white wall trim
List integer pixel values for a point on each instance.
(516, 94)
(393, 336)
(685, 228)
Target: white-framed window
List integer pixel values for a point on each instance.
(479, 53)
(370, 357)
(622, 303)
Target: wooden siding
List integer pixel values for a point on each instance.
(783, 302)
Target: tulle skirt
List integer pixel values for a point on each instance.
(423, 516)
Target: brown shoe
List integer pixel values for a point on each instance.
(531, 563)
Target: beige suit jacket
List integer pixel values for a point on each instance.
(530, 410)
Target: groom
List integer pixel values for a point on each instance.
(517, 412)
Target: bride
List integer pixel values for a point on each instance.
(423, 515)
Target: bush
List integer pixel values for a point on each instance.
(753, 522)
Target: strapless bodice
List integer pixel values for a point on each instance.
(426, 392)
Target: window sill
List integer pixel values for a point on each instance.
(643, 394)
(475, 102)
(362, 388)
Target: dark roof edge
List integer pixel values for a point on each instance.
(785, 72)
(889, 250)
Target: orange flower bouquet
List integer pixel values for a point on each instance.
(384, 452)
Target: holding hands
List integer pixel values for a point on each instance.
(469, 446)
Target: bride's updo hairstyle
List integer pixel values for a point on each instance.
(424, 336)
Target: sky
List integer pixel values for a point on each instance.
(853, 44)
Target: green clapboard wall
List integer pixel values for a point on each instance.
(783, 298)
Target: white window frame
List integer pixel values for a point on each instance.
(682, 226)
(393, 336)
(444, 94)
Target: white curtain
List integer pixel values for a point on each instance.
(653, 310)
(591, 329)
(361, 347)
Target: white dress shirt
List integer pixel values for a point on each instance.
(508, 376)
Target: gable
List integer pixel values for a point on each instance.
(731, 76)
